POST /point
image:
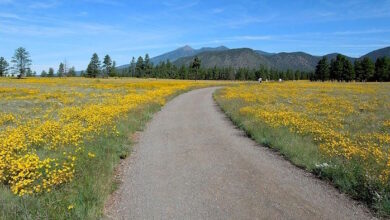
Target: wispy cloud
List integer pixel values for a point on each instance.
(45, 4)
(9, 15)
(59, 29)
(105, 2)
(361, 32)
(243, 20)
(175, 5)
(4, 2)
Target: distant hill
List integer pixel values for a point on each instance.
(246, 57)
(184, 52)
(378, 53)
(334, 55)
(294, 61)
(237, 58)
(264, 53)
(178, 53)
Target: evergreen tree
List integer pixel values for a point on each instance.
(348, 72)
(112, 72)
(240, 74)
(71, 72)
(382, 69)
(368, 69)
(3, 66)
(61, 70)
(93, 69)
(139, 67)
(297, 74)
(147, 66)
(289, 75)
(167, 69)
(322, 70)
(337, 68)
(251, 74)
(29, 72)
(43, 73)
(51, 72)
(359, 72)
(132, 67)
(195, 66)
(21, 61)
(107, 65)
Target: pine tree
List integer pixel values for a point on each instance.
(348, 72)
(29, 72)
(43, 73)
(368, 69)
(21, 61)
(139, 67)
(195, 66)
(112, 72)
(297, 75)
(337, 68)
(3, 66)
(382, 69)
(71, 72)
(132, 67)
(359, 73)
(322, 70)
(107, 65)
(61, 70)
(147, 66)
(51, 72)
(93, 69)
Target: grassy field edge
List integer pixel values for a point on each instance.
(304, 153)
(84, 198)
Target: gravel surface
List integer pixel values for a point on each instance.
(192, 163)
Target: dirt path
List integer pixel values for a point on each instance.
(191, 163)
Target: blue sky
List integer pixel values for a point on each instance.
(55, 30)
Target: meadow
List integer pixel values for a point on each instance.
(61, 139)
(339, 131)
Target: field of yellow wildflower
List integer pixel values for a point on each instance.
(340, 131)
(53, 132)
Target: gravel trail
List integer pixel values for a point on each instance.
(192, 163)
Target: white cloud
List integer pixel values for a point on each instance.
(9, 15)
(360, 32)
(174, 5)
(45, 4)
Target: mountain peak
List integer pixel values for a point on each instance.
(222, 48)
(186, 48)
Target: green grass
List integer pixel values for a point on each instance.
(348, 177)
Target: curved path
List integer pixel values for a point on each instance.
(192, 163)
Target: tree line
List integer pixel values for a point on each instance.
(338, 69)
(364, 70)
(21, 66)
(62, 71)
(144, 68)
